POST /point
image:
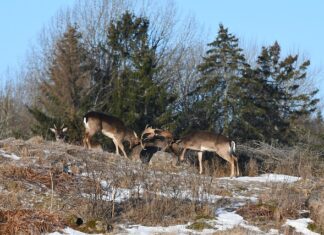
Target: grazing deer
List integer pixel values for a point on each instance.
(59, 133)
(208, 141)
(163, 138)
(111, 127)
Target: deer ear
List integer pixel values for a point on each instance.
(65, 129)
(53, 130)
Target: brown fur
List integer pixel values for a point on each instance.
(208, 141)
(162, 138)
(111, 127)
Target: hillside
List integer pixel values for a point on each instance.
(57, 188)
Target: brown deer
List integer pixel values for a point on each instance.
(111, 127)
(147, 134)
(59, 133)
(208, 141)
(162, 137)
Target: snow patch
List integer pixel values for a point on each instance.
(227, 220)
(176, 229)
(68, 231)
(266, 178)
(301, 225)
(9, 155)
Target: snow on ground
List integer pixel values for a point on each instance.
(176, 229)
(122, 194)
(266, 178)
(229, 219)
(9, 155)
(226, 218)
(68, 231)
(301, 225)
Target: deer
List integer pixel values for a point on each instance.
(163, 138)
(147, 134)
(59, 133)
(208, 141)
(110, 126)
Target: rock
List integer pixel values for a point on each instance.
(162, 159)
(35, 140)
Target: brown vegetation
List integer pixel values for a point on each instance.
(107, 189)
(29, 222)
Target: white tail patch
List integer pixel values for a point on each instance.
(85, 123)
(233, 146)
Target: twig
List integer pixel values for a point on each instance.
(52, 188)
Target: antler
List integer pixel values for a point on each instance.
(148, 130)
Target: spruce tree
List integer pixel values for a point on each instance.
(64, 94)
(282, 97)
(136, 95)
(219, 87)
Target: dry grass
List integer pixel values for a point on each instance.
(157, 195)
(237, 231)
(153, 210)
(38, 176)
(298, 160)
(282, 202)
(252, 168)
(29, 222)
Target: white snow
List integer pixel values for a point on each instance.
(9, 155)
(301, 225)
(68, 231)
(266, 178)
(176, 229)
(124, 194)
(227, 220)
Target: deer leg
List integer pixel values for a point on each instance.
(232, 162)
(200, 162)
(236, 165)
(87, 140)
(182, 155)
(85, 144)
(181, 158)
(116, 145)
(121, 146)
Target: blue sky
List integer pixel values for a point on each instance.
(20, 24)
(298, 25)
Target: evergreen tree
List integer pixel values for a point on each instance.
(135, 95)
(282, 98)
(220, 83)
(64, 94)
(250, 103)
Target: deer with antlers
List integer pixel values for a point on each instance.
(208, 141)
(111, 127)
(158, 137)
(60, 133)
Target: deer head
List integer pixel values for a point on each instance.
(147, 134)
(156, 137)
(59, 133)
